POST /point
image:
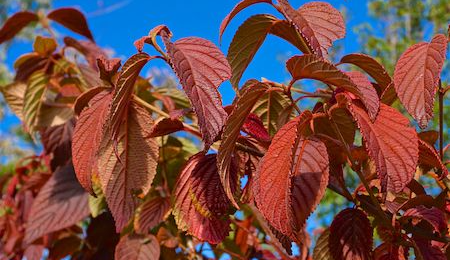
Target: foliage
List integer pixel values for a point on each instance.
(118, 179)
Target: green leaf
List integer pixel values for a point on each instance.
(246, 42)
(45, 46)
(33, 99)
(14, 94)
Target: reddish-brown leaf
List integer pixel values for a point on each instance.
(319, 23)
(287, 31)
(429, 158)
(201, 68)
(370, 66)
(61, 203)
(322, 248)
(292, 177)
(57, 140)
(108, 68)
(254, 127)
(87, 136)
(368, 93)
(137, 247)
(416, 77)
(430, 136)
(150, 214)
(343, 120)
(246, 42)
(238, 8)
(242, 108)
(15, 24)
(326, 22)
(433, 215)
(313, 67)
(351, 235)
(201, 206)
(427, 250)
(84, 99)
(166, 126)
(72, 19)
(389, 251)
(127, 164)
(123, 92)
(34, 252)
(391, 143)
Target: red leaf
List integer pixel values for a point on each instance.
(201, 206)
(108, 68)
(127, 164)
(391, 143)
(87, 136)
(72, 19)
(288, 32)
(370, 66)
(137, 247)
(429, 157)
(432, 215)
(84, 99)
(416, 77)
(61, 203)
(313, 67)
(254, 127)
(15, 24)
(389, 251)
(57, 140)
(292, 177)
(238, 8)
(351, 235)
(319, 23)
(428, 251)
(201, 68)
(124, 90)
(369, 94)
(33, 252)
(166, 126)
(151, 213)
(242, 108)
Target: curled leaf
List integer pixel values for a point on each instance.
(235, 121)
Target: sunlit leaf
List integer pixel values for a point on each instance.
(201, 68)
(416, 77)
(137, 247)
(127, 164)
(292, 177)
(234, 123)
(151, 213)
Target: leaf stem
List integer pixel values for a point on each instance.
(359, 173)
(441, 93)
